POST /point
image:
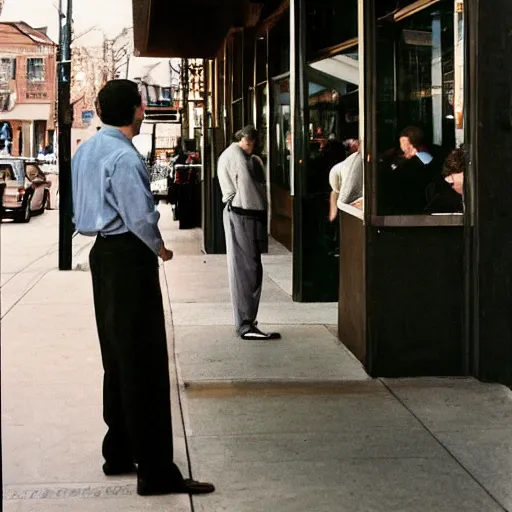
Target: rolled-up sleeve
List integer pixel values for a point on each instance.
(131, 193)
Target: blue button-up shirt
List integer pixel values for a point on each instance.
(111, 190)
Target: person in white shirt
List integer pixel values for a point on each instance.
(346, 180)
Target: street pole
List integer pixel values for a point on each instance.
(184, 99)
(65, 122)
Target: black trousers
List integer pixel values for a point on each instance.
(131, 329)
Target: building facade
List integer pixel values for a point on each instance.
(420, 292)
(27, 89)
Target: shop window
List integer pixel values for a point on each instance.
(419, 114)
(333, 116)
(279, 47)
(237, 49)
(281, 163)
(35, 70)
(261, 121)
(329, 22)
(237, 112)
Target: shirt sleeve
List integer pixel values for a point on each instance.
(129, 184)
(225, 179)
(352, 184)
(335, 179)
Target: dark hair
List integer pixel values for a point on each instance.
(455, 163)
(117, 102)
(415, 135)
(247, 132)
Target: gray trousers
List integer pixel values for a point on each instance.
(245, 240)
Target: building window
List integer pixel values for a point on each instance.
(35, 70)
(7, 69)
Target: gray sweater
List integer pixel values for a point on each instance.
(242, 179)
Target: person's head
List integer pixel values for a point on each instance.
(455, 163)
(352, 146)
(247, 138)
(120, 104)
(411, 141)
(453, 170)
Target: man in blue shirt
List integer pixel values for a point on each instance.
(112, 201)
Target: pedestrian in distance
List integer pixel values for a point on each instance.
(113, 202)
(242, 180)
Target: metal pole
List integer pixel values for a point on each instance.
(65, 123)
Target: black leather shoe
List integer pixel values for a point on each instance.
(254, 334)
(186, 486)
(119, 469)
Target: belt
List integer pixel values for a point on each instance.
(248, 213)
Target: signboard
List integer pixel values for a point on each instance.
(87, 116)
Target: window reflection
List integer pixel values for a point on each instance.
(261, 109)
(420, 103)
(281, 176)
(334, 159)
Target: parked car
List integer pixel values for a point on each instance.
(24, 189)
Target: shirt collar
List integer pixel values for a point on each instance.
(425, 157)
(114, 131)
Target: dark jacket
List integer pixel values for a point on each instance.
(406, 186)
(441, 198)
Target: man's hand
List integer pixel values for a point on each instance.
(166, 254)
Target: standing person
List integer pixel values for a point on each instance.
(242, 180)
(112, 201)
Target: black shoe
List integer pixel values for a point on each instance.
(186, 486)
(126, 468)
(254, 334)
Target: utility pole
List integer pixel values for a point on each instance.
(185, 131)
(65, 123)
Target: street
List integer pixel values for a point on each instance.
(288, 426)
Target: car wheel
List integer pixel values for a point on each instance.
(24, 215)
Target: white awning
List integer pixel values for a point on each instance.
(28, 112)
(342, 67)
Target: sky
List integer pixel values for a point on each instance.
(110, 16)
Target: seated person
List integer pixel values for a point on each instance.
(346, 180)
(409, 176)
(445, 194)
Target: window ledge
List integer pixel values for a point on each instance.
(352, 210)
(406, 221)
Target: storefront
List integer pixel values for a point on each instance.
(423, 287)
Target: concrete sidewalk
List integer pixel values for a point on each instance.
(288, 426)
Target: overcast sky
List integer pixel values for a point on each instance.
(110, 16)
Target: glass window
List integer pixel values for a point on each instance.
(261, 121)
(281, 166)
(329, 23)
(279, 47)
(7, 70)
(237, 48)
(35, 70)
(238, 115)
(419, 110)
(261, 59)
(333, 119)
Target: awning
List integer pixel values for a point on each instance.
(341, 67)
(185, 29)
(28, 112)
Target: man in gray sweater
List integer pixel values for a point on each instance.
(242, 180)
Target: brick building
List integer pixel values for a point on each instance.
(28, 89)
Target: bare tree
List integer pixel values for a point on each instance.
(117, 52)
